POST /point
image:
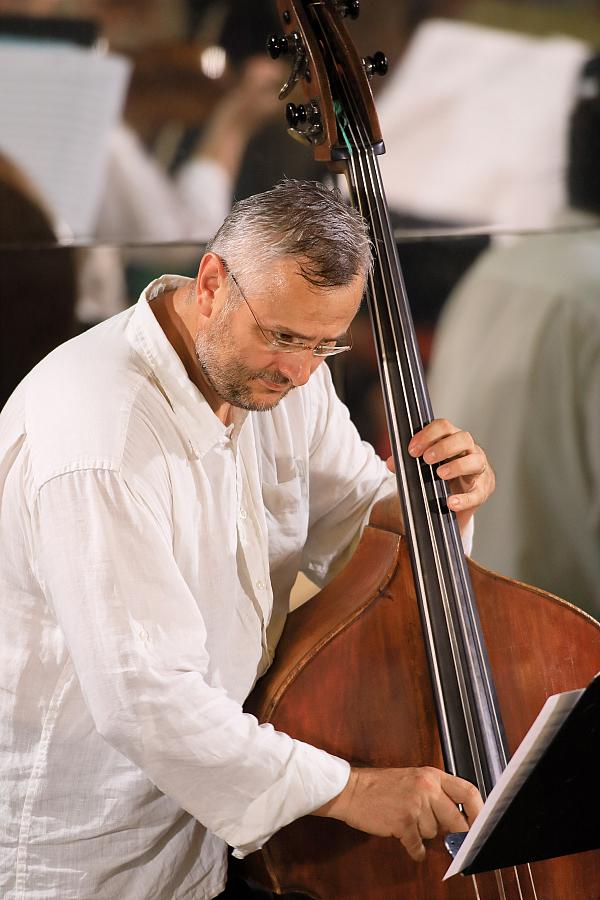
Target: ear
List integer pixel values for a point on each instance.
(211, 284)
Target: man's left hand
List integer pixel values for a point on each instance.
(458, 461)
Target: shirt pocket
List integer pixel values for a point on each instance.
(286, 507)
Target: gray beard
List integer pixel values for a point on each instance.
(230, 379)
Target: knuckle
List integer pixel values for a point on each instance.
(429, 831)
(471, 792)
(424, 781)
(406, 820)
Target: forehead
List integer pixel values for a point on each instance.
(282, 294)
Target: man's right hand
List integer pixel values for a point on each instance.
(409, 804)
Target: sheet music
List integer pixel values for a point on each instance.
(531, 748)
(58, 106)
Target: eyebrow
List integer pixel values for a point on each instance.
(305, 337)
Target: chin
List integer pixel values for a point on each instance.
(263, 402)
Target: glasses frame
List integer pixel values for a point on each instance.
(282, 346)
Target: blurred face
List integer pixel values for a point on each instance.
(236, 360)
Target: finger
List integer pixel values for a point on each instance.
(427, 824)
(469, 500)
(390, 463)
(461, 791)
(413, 843)
(470, 466)
(448, 815)
(430, 434)
(450, 447)
(471, 494)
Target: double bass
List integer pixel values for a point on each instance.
(412, 655)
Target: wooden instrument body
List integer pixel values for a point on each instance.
(377, 710)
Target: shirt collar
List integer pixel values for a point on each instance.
(204, 429)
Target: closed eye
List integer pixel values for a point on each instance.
(286, 338)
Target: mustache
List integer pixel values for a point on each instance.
(275, 377)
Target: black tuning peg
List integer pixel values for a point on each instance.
(349, 8)
(294, 115)
(277, 46)
(376, 64)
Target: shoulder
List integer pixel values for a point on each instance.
(79, 403)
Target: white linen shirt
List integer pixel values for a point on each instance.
(147, 556)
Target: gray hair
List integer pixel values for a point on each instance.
(301, 219)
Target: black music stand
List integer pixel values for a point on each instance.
(555, 811)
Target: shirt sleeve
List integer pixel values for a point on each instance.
(143, 202)
(203, 184)
(138, 644)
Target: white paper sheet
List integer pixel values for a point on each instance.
(58, 106)
(531, 748)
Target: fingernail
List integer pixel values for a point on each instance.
(414, 448)
(454, 501)
(443, 471)
(430, 456)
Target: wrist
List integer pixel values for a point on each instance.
(337, 807)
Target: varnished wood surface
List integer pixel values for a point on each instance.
(351, 676)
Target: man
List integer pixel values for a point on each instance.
(164, 477)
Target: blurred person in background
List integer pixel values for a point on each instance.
(525, 322)
(143, 201)
(474, 120)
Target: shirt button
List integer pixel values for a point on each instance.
(243, 514)
(260, 585)
(144, 634)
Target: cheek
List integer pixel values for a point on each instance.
(316, 362)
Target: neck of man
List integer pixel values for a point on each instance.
(179, 320)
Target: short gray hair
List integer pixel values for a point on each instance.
(301, 219)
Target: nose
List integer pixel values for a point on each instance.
(298, 367)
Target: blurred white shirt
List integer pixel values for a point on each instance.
(148, 552)
(516, 360)
(142, 204)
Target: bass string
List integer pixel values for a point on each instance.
(464, 610)
(418, 392)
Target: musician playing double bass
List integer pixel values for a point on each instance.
(164, 478)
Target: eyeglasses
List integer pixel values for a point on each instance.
(289, 343)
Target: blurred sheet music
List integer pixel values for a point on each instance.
(58, 107)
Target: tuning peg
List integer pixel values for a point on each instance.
(295, 114)
(277, 46)
(349, 8)
(309, 117)
(376, 64)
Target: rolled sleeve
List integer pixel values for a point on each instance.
(467, 536)
(310, 778)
